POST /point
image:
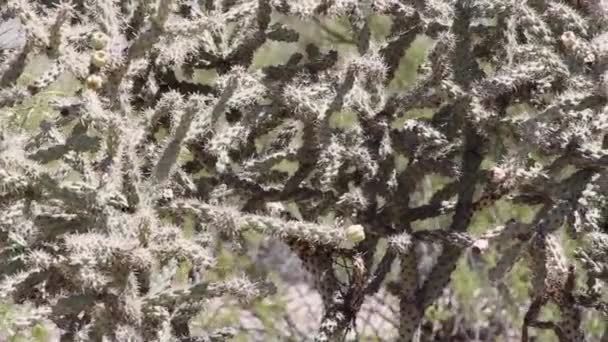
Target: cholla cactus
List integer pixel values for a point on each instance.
(95, 201)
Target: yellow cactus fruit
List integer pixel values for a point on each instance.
(355, 233)
(99, 40)
(99, 59)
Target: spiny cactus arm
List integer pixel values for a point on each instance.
(312, 9)
(15, 95)
(509, 257)
(115, 86)
(462, 216)
(182, 304)
(225, 218)
(172, 298)
(200, 121)
(143, 9)
(501, 234)
(564, 17)
(402, 35)
(320, 264)
(422, 138)
(460, 240)
(316, 136)
(423, 93)
(375, 154)
(18, 174)
(412, 175)
(63, 12)
(51, 43)
(586, 215)
(555, 282)
(411, 308)
(567, 136)
(243, 54)
(465, 71)
(166, 162)
(530, 319)
(569, 327)
(254, 18)
(592, 254)
(86, 256)
(13, 186)
(438, 204)
(198, 25)
(586, 221)
(341, 311)
(512, 230)
(594, 269)
(166, 80)
(167, 110)
(168, 244)
(146, 39)
(12, 283)
(50, 76)
(509, 79)
(104, 14)
(382, 270)
(420, 133)
(34, 40)
(550, 218)
(13, 64)
(224, 146)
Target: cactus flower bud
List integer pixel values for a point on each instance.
(480, 246)
(99, 59)
(497, 174)
(568, 39)
(99, 40)
(94, 82)
(355, 233)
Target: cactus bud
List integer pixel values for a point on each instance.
(355, 233)
(568, 39)
(479, 246)
(94, 82)
(497, 174)
(99, 40)
(99, 59)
